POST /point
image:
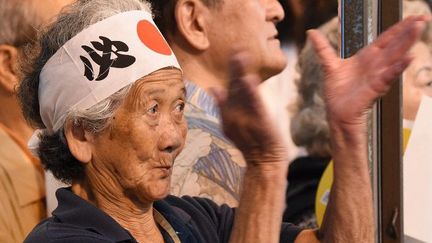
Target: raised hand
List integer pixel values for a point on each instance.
(353, 84)
(245, 120)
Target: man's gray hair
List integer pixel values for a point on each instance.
(53, 150)
(18, 22)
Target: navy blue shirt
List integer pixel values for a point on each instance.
(193, 219)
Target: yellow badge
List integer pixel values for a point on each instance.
(323, 193)
(406, 136)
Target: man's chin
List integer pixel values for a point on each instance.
(274, 65)
(273, 70)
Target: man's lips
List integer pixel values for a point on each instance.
(274, 36)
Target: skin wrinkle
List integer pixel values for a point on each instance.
(423, 69)
(136, 147)
(260, 212)
(132, 159)
(203, 39)
(204, 58)
(109, 202)
(259, 34)
(417, 79)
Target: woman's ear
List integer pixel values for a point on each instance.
(191, 19)
(79, 141)
(8, 68)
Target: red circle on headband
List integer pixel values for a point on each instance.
(150, 36)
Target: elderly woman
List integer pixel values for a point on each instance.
(110, 108)
(417, 77)
(309, 129)
(107, 94)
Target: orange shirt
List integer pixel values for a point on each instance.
(22, 192)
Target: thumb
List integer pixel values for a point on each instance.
(322, 47)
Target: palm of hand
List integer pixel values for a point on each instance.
(352, 85)
(245, 120)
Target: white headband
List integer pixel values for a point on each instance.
(98, 62)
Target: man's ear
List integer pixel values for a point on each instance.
(191, 17)
(79, 141)
(8, 67)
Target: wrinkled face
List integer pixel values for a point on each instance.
(145, 136)
(251, 25)
(417, 80)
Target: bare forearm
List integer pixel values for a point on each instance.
(349, 215)
(259, 215)
(350, 88)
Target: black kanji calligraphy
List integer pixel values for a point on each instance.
(112, 55)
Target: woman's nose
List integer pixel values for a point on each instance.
(171, 138)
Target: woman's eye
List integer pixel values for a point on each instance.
(153, 110)
(180, 107)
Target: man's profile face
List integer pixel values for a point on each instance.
(249, 25)
(41, 12)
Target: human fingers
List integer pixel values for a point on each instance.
(243, 86)
(394, 31)
(242, 111)
(401, 44)
(324, 50)
(377, 87)
(391, 73)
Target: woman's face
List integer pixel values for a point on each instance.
(145, 136)
(417, 80)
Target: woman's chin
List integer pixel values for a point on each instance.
(157, 196)
(156, 191)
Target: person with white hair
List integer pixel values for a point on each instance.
(22, 189)
(107, 94)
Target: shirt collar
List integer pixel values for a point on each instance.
(199, 99)
(76, 211)
(178, 219)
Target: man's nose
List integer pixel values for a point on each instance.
(274, 11)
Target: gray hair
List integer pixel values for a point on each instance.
(53, 150)
(309, 126)
(18, 22)
(96, 118)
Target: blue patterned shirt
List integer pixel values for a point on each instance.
(210, 165)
